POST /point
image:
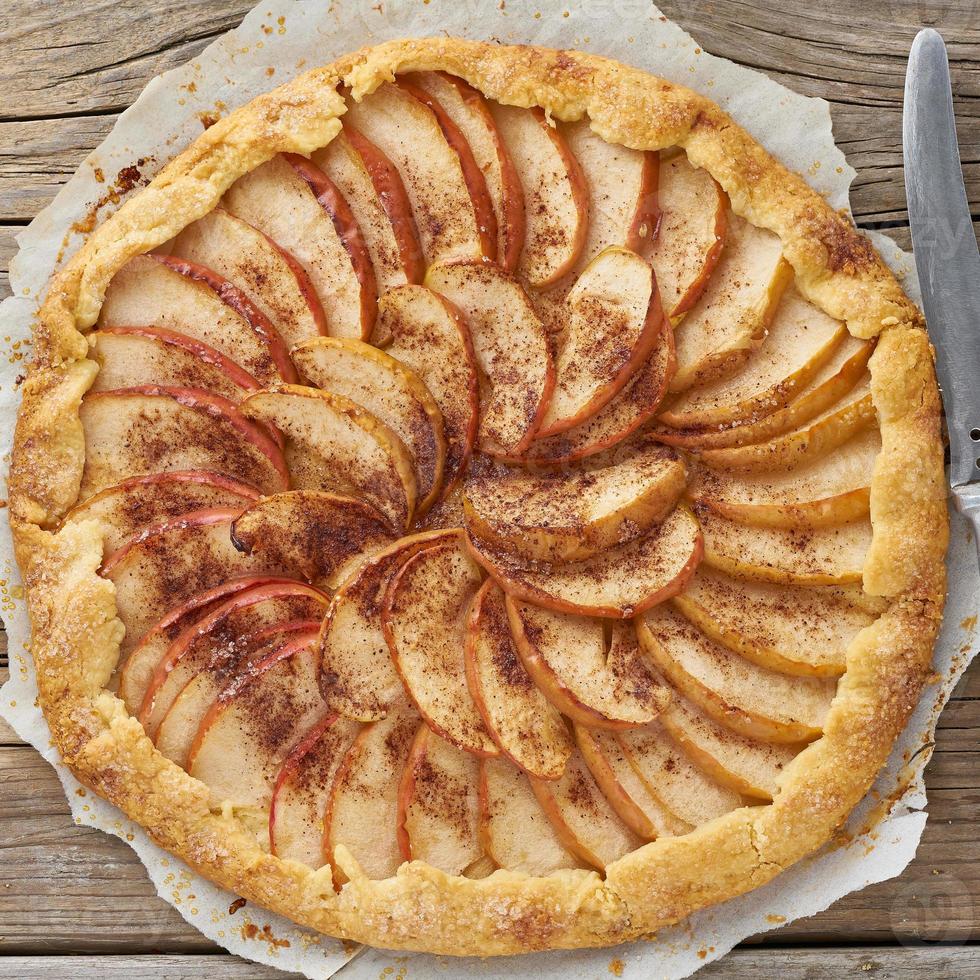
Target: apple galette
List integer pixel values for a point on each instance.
(475, 500)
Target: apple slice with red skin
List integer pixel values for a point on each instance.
(391, 391)
(369, 183)
(751, 700)
(564, 517)
(597, 677)
(633, 406)
(358, 679)
(556, 197)
(622, 787)
(512, 351)
(313, 223)
(254, 724)
(302, 790)
(731, 319)
(183, 297)
(424, 620)
(613, 319)
(408, 133)
(438, 805)
(476, 183)
(428, 335)
(845, 367)
(744, 765)
(317, 535)
(616, 584)
(470, 112)
(693, 224)
(334, 444)
(138, 666)
(669, 775)
(515, 832)
(132, 356)
(271, 278)
(582, 818)
(178, 725)
(220, 642)
(154, 429)
(362, 809)
(622, 189)
(528, 730)
(141, 501)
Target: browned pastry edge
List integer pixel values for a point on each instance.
(76, 633)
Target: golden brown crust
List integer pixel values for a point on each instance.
(76, 633)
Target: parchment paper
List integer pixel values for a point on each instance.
(278, 39)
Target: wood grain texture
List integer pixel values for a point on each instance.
(67, 70)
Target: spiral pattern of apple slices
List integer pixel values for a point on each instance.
(478, 492)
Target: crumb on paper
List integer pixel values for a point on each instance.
(616, 967)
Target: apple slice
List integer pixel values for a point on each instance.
(753, 701)
(142, 501)
(622, 787)
(438, 805)
(693, 223)
(303, 212)
(613, 319)
(302, 789)
(667, 773)
(827, 491)
(817, 439)
(618, 583)
(800, 341)
(153, 429)
(268, 275)
(408, 133)
(190, 299)
(568, 517)
(428, 335)
(556, 197)
(788, 628)
(828, 554)
(470, 112)
(362, 811)
(512, 351)
(731, 318)
(370, 184)
(515, 832)
(358, 678)
(129, 356)
(189, 703)
(388, 389)
(526, 727)
(254, 724)
(636, 404)
(582, 818)
(318, 535)
(147, 651)
(598, 678)
(622, 190)
(335, 444)
(845, 367)
(221, 642)
(742, 764)
(424, 619)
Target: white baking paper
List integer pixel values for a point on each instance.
(277, 40)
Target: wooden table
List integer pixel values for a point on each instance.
(67, 69)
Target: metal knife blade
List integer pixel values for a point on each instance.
(945, 248)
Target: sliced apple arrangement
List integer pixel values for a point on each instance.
(477, 492)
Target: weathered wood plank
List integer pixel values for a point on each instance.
(895, 963)
(7, 735)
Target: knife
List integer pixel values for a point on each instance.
(946, 257)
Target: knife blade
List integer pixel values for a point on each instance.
(945, 250)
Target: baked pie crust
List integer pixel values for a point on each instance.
(77, 634)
